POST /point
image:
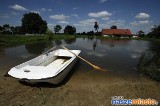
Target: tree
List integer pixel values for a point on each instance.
(57, 28)
(155, 32)
(69, 30)
(141, 33)
(33, 23)
(1, 28)
(90, 33)
(7, 29)
(6, 26)
(113, 27)
(17, 30)
(96, 26)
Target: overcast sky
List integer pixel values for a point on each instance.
(128, 14)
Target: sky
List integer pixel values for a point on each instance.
(82, 14)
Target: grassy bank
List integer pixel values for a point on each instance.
(9, 39)
(21, 39)
(117, 38)
(149, 64)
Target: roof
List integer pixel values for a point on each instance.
(116, 32)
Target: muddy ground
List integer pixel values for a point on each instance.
(80, 88)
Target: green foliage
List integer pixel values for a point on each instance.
(8, 39)
(141, 33)
(69, 30)
(96, 26)
(32, 23)
(57, 28)
(49, 32)
(1, 28)
(6, 26)
(17, 30)
(155, 33)
(149, 64)
(113, 27)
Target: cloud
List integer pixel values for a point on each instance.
(18, 7)
(63, 22)
(105, 18)
(50, 24)
(14, 13)
(4, 16)
(119, 23)
(85, 25)
(142, 16)
(134, 23)
(44, 9)
(137, 23)
(75, 15)
(88, 22)
(75, 8)
(144, 22)
(59, 17)
(49, 10)
(102, 1)
(101, 14)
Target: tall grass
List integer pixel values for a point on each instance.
(149, 64)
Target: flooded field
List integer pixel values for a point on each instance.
(83, 86)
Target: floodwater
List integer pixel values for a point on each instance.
(119, 57)
(83, 85)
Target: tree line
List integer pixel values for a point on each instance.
(32, 23)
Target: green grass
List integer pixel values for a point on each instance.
(9, 39)
(20, 39)
(118, 38)
(149, 64)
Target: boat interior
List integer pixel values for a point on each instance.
(54, 61)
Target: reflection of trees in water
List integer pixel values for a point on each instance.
(94, 44)
(58, 42)
(37, 48)
(149, 63)
(90, 38)
(2, 52)
(70, 41)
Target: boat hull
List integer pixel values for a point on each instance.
(56, 79)
(52, 67)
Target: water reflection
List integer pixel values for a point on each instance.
(94, 44)
(117, 56)
(37, 48)
(1, 50)
(58, 42)
(70, 41)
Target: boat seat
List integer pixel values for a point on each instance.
(56, 64)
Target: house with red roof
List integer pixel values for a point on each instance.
(117, 32)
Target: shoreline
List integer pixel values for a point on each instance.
(23, 39)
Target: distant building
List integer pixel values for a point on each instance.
(116, 32)
(135, 36)
(8, 30)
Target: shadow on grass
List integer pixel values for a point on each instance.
(50, 85)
